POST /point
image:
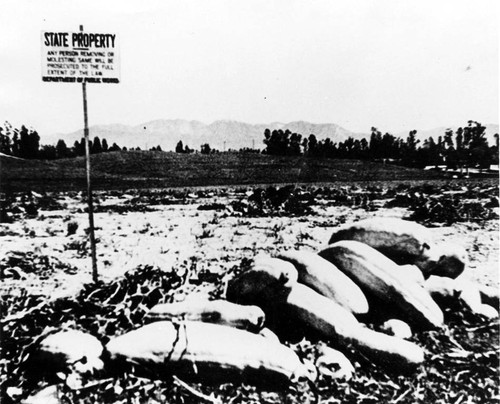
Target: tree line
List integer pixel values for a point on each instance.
(185, 149)
(466, 147)
(25, 143)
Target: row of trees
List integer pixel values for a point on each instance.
(180, 148)
(204, 149)
(467, 147)
(19, 142)
(25, 143)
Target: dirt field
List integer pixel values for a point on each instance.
(212, 240)
(202, 235)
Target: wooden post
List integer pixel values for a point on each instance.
(1, 204)
(89, 188)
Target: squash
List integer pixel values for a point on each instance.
(207, 352)
(446, 291)
(443, 290)
(451, 262)
(487, 311)
(325, 278)
(411, 273)
(302, 307)
(68, 351)
(333, 364)
(406, 242)
(222, 312)
(267, 333)
(338, 325)
(378, 275)
(268, 280)
(397, 328)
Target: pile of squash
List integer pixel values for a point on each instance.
(376, 282)
(388, 273)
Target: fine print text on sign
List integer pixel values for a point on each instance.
(75, 57)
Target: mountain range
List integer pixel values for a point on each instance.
(221, 135)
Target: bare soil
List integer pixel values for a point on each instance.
(212, 241)
(202, 235)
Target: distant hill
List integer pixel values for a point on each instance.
(221, 135)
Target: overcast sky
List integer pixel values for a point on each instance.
(397, 65)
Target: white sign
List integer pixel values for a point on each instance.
(75, 57)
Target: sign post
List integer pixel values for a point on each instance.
(89, 188)
(81, 57)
